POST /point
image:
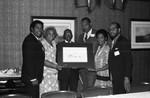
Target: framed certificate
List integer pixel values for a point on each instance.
(75, 55)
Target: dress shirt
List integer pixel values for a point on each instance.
(39, 39)
(114, 41)
(87, 34)
(68, 42)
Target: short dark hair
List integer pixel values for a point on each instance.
(87, 19)
(117, 24)
(102, 31)
(32, 25)
(66, 31)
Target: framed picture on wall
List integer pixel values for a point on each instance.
(140, 34)
(60, 23)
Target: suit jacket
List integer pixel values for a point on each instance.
(67, 72)
(33, 59)
(89, 40)
(120, 59)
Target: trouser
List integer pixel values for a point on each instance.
(88, 78)
(118, 87)
(31, 90)
(69, 79)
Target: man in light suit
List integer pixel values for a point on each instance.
(120, 60)
(88, 36)
(68, 77)
(33, 60)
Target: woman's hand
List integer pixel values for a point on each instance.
(90, 69)
(64, 65)
(103, 68)
(60, 67)
(99, 69)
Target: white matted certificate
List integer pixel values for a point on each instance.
(75, 54)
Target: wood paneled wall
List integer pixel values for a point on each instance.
(15, 18)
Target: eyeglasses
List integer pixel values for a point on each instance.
(112, 29)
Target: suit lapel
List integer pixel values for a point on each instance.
(117, 42)
(82, 38)
(37, 41)
(92, 39)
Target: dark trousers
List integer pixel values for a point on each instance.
(88, 78)
(118, 87)
(31, 90)
(68, 79)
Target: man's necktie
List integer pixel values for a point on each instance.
(112, 44)
(86, 38)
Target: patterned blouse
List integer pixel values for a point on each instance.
(101, 59)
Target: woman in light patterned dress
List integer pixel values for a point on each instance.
(101, 59)
(50, 82)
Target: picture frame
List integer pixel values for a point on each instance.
(60, 23)
(75, 55)
(140, 34)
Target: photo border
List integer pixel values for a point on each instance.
(58, 21)
(134, 24)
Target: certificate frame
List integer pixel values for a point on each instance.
(81, 64)
(140, 34)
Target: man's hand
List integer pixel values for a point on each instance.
(127, 84)
(34, 81)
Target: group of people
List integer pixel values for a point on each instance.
(41, 73)
(113, 61)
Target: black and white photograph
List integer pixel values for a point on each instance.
(74, 48)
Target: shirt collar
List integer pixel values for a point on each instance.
(37, 37)
(67, 41)
(115, 39)
(34, 36)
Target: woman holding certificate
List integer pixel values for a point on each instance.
(50, 82)
(101, 59)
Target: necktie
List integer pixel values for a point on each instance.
(86, 37)
(112, 44)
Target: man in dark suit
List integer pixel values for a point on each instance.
(120, 60)
(68, 77)
(33, 60)
(88, 36)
